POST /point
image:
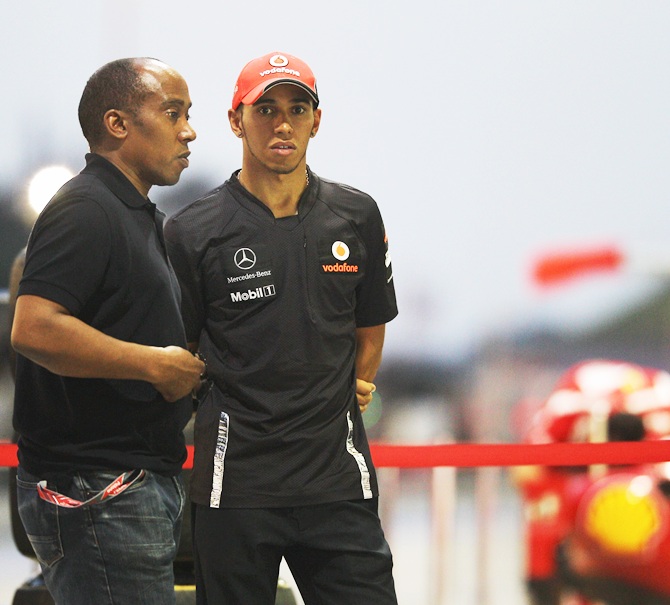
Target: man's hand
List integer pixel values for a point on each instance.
(179, 373)
(364, 392)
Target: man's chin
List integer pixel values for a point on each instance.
(169, 180)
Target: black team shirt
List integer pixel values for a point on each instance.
(274, 305)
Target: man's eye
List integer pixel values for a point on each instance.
(172, 114)
(299, 110)
(265, 110)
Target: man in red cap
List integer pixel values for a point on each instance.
(287, 286)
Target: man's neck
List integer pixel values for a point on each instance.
(128, 171)
(279, 192)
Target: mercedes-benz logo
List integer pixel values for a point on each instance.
(245, 259)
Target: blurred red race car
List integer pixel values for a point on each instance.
(599, 534)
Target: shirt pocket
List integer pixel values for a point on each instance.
(339, 270)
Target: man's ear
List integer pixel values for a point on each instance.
(115, 124)
(317, 122)
(235, 119)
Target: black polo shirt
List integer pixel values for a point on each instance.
(275, 304)
(97, 249)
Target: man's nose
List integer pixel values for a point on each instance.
(188, 134)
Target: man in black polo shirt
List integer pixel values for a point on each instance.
(287, 285)
(104, 379)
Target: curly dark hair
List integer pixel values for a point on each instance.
(116, 85)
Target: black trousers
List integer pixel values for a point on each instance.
(337, 553)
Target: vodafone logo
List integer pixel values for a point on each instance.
(278, 61)
(340, 268)
(340, 250)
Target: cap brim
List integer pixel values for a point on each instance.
(256, 93)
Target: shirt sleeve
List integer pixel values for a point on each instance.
(186, 266)
(68, 253)
(375, 295)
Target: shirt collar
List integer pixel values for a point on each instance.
(305, 203)
(115, 180)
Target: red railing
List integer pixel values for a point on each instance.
(486, 454)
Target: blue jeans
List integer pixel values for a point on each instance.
(117, 552)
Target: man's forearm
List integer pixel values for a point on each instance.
(369, 345)
(48, 335)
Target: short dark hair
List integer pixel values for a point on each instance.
(116, 85)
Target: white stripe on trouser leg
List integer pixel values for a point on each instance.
(219, 461)
(360, 460)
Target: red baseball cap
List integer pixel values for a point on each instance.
(261, 74)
